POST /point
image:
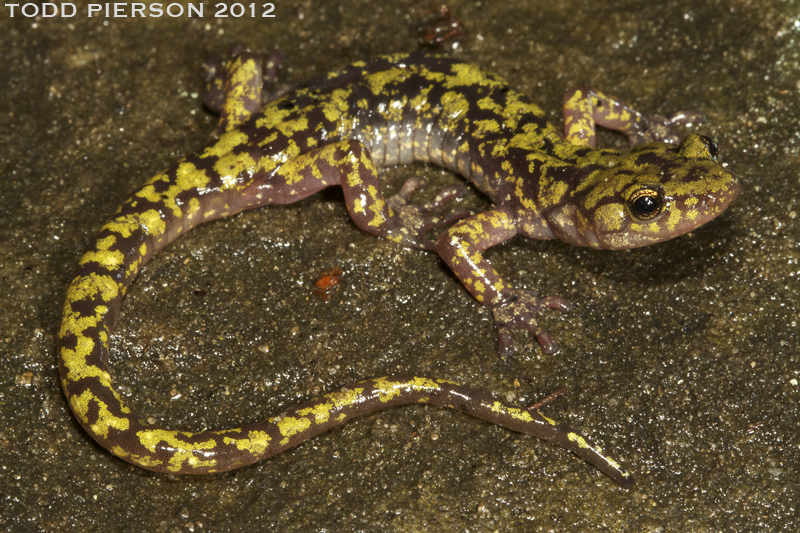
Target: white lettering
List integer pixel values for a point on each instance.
(109, 9)
(45, 5)
(169, 10)
(35, 10)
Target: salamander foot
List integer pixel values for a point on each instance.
(521, 311)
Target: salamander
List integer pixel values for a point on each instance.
(340, 129)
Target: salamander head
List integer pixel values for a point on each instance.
(654, 193)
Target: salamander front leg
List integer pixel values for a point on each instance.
(461, 246)
(585, 107)
(521, 311)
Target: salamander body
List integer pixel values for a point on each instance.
(340, 129)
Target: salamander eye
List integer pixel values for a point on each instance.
(698, 146)
(711, 146)
(645, 204)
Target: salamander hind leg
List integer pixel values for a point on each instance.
(418, 219)
(395, 219)
(349, 164)
(238, 85)
(585, 107)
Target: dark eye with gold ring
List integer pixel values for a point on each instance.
(645, 204)
(711, 146)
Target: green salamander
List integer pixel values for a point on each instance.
(339, 130)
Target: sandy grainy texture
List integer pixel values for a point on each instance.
(682, 357)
